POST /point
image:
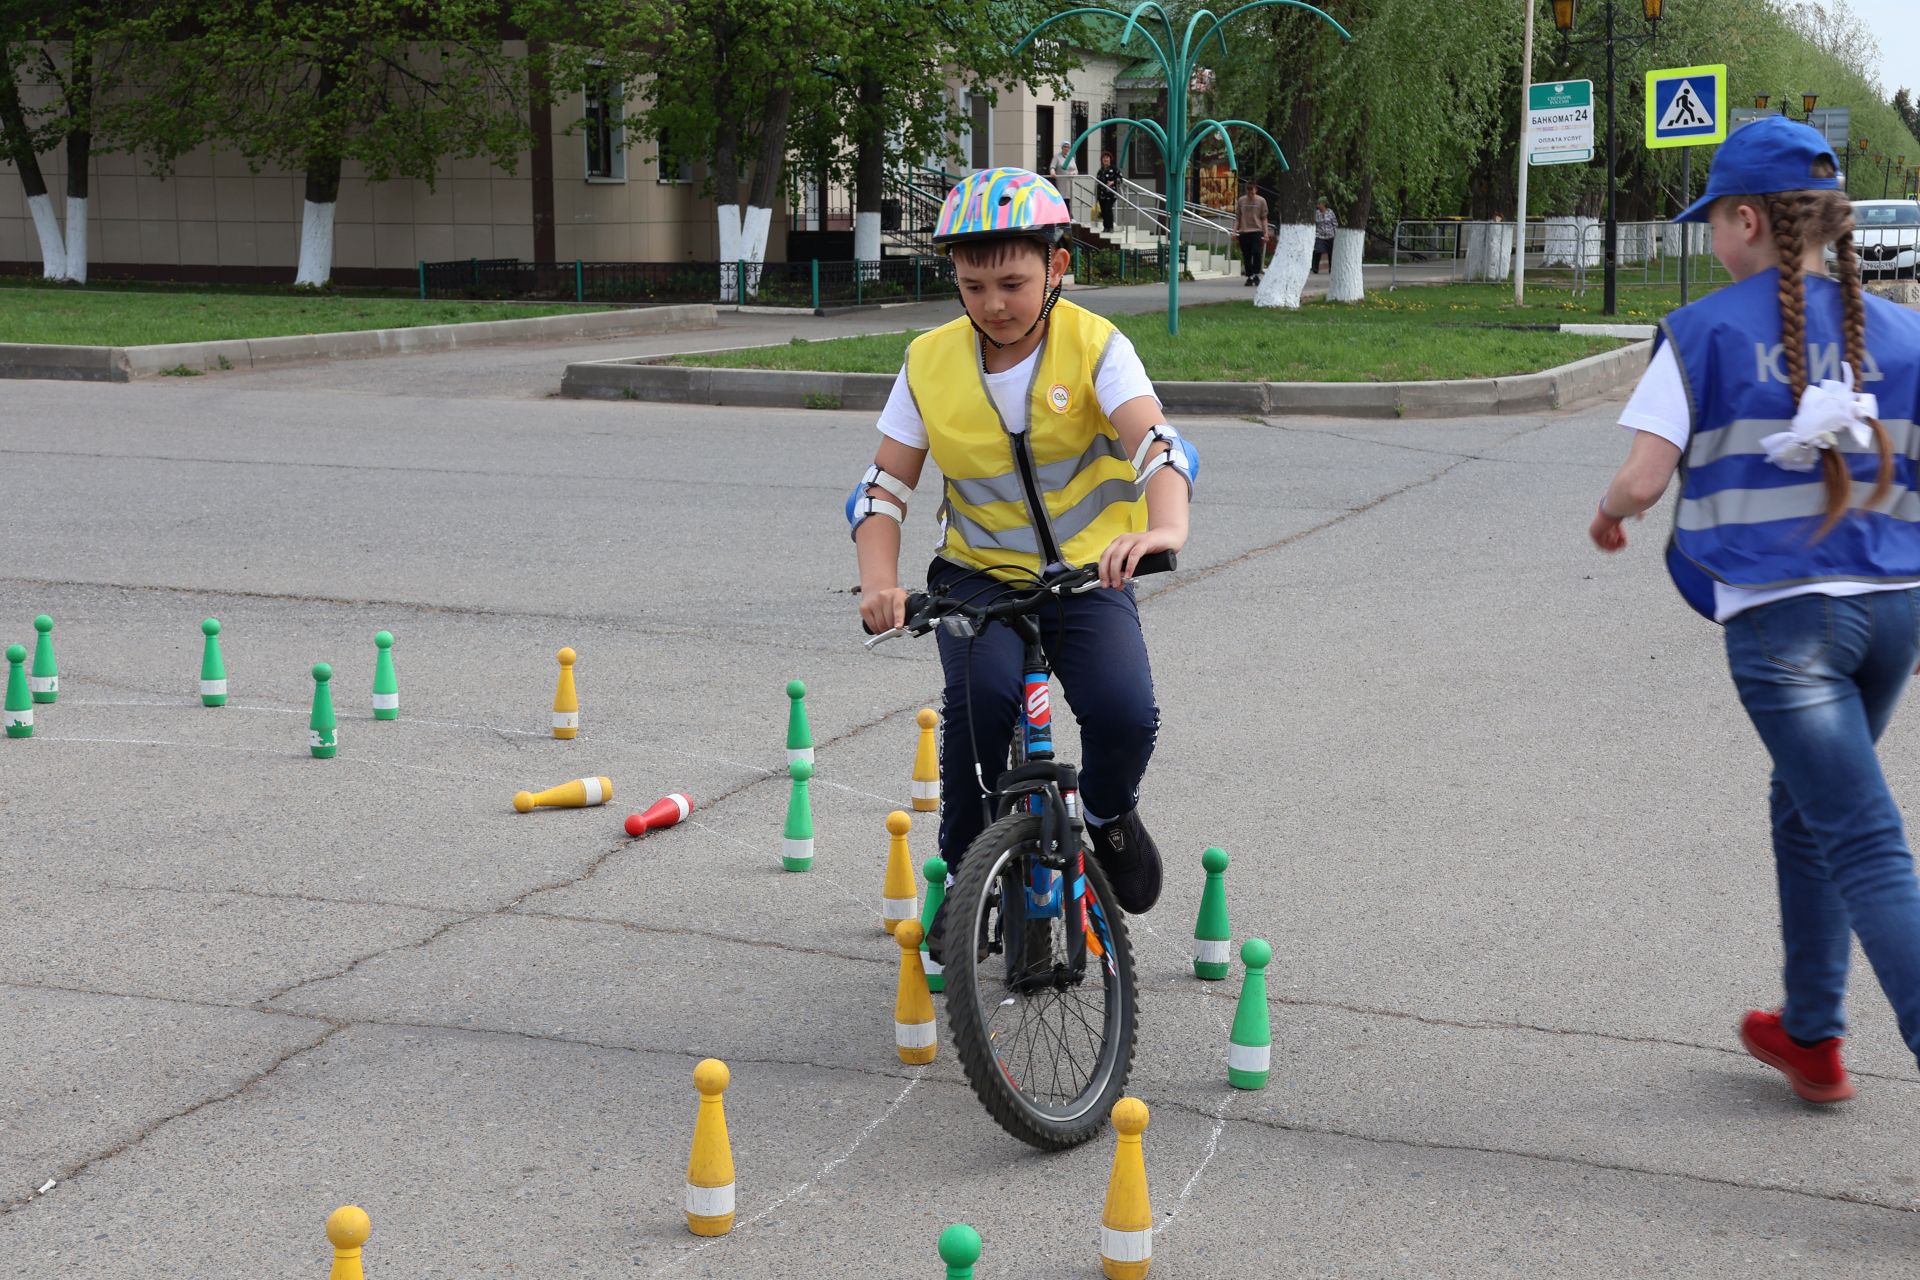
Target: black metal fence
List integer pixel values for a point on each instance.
(813, 283)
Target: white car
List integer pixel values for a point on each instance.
(1886, 236)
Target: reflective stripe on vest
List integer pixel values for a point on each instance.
(1746, 522)
(1088, 491)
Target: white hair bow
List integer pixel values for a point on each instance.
(1827, 412)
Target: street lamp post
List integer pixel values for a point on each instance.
(1563, 18)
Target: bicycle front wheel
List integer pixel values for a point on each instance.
(1043, 1022)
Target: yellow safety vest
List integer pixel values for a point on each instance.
(1016, 501)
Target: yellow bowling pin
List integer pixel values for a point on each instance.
(899, 895)
(348, 1229)
(578, 794)
(1126, 1225)
(566, 700)
(710, 1167)
(913, 1028)
(926, 766)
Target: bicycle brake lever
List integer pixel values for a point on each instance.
(882, 637)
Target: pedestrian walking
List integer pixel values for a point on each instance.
(1250, 225)
(1107, 189)
(1064, 168)
(1783, 400)
(1324, 225)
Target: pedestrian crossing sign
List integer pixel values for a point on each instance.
(1687, 106)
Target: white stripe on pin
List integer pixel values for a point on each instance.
(43, 684)
(900, 908)
(213, 688)
(593, 791)
(932, 966)
(799, 753)
(913, 1035)
(709, 1202)
(315, 738)
(799, 848)
(566, 719)
(1208, 951)
(681, 803)
(926, 790)
(1248, 1057)
(386, 702)
(24, 719)
(1126, 1246)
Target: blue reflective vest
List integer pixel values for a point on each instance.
(1748, 523)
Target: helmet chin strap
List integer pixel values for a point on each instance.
(1053, 288)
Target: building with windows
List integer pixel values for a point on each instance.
(583, 190)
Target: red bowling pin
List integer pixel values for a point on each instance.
(664, 813)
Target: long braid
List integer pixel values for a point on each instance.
(1786, 212)
(1853, 310)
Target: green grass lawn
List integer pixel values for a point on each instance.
(116, 317)
(1410, 335)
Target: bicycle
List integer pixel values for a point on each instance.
(1026, 891)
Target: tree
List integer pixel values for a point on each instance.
(724, 81)
(893, 75)
(72, 60)
(396, 86)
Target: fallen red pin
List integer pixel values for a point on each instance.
(663, 813)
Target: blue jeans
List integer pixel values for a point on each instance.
(1095, 647)
(1819, 677)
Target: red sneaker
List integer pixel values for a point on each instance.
(1816, 1073)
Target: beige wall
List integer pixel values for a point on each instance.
(212, 212)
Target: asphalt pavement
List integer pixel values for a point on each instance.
(1488, 794)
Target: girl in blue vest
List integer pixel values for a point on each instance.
(1787, 402)
(1054, 450)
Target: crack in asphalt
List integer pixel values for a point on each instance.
(1582, 1162)
(336, 1026)
(70, 1172)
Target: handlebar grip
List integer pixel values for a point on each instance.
(1156, 562)
(916, 603)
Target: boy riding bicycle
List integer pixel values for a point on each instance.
(1055, 451)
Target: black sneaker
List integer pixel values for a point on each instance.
(933, 933)
(1131, 860)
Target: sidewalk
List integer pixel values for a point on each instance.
(533, 370)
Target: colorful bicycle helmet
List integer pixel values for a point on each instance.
(1002, 202)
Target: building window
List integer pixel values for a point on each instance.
(1078, 115)
(668, 167)
(605, 137)
(1143, 160)
(980, 140)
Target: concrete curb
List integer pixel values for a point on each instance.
(119, 364)
(785, 389)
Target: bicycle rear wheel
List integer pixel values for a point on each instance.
(1046, 1051)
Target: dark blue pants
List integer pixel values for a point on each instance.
(1095, 647)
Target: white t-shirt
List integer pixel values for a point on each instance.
(1120, 378)
(1659, 406)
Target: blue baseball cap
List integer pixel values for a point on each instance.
(1771, 154)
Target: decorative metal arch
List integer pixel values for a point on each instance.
(1176, 140)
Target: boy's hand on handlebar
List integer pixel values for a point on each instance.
(884, 609)
(1123, 554)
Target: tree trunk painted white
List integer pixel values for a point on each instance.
(316, 244)
(53, 250)
(1562, 242)
(866, 237)
(753, 236)
(76, 269)
(1286, 271)
(1592, 238)
(1479, 239)
(1347, 284)
(730, 251)
(866, 243)
(1499, 250)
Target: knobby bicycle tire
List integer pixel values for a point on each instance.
(963, 916)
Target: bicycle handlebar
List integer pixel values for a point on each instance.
(924, 609)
